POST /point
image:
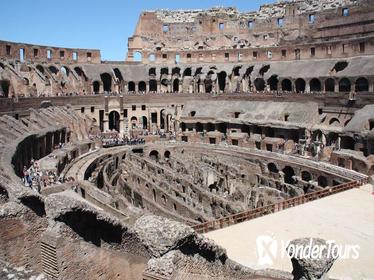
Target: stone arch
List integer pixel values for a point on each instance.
(222, 80)
(306, 176)
(118, 74)
(210, 127)
(315, 85)
(273, 82)
(286, 85)
(40, 68)
(176, 85)
(138, 56)
(344, 85)
(154, 155)
(300, 85)
(187, 72)
(53, 69)
(330, 85)
(142, 87)
(362, 84)
(153, 85)
(183, 126)
(91, 227)
(4, 88)
(272, 167)
(131, 86)
(288, 174)
(322, 181)
(96, 87)
(144, 122)
(4, 195)
(106, 78)
(114, 119)
(334, 122)
(199, 127)
(347, 142)
(259, 84)
(167, 154)
(134, 122)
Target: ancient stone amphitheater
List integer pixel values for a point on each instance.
(228, 117)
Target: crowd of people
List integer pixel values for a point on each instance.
(36, 179)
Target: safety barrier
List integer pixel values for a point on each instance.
(262, 211)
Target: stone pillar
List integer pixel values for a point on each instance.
(307, 86)
(158, 86)
(336, 89)
(147, 87)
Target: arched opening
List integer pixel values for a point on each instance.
(152, 72)
(107, 81)
(286, 85)
(315, 85)
(176, 71)
(134, 122)
(114, 121)
(210, 127)
(153, 85)
(144, 122)
(222, 80)
(306, 176)
(183, 126)
(92, 228)
(272, 168)
(53, 69)
(142, 86)
(187, 72)
(65, 71)
(118, 74)
(330, 85)
(259, 84)
(322, 181)
(131, 86)
(273, 82)
(40, 68)
(167, 154)
(176, 85)
(334, 122)
(208, 85)
(154, 195)
(138, 56)
(288, 174)
(300, 85)
(344, 85)
(154, 155)
(339, 66)
(199, 127)
(96, 87)
(80, 73)
(4, 196)
(264, 69)
(347, 142)
(4, 88)
(362, 84)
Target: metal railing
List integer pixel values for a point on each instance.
(276, 207)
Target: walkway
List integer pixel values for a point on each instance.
(347, 218)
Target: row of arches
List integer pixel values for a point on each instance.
(289, 174)
(314, 85)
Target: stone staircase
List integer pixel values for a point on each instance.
(49, 257)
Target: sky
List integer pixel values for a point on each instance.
(94, 24)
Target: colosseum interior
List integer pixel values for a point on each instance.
(216, 119)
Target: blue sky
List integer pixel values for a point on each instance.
(98, 24)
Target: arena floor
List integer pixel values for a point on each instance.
(346, 217)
